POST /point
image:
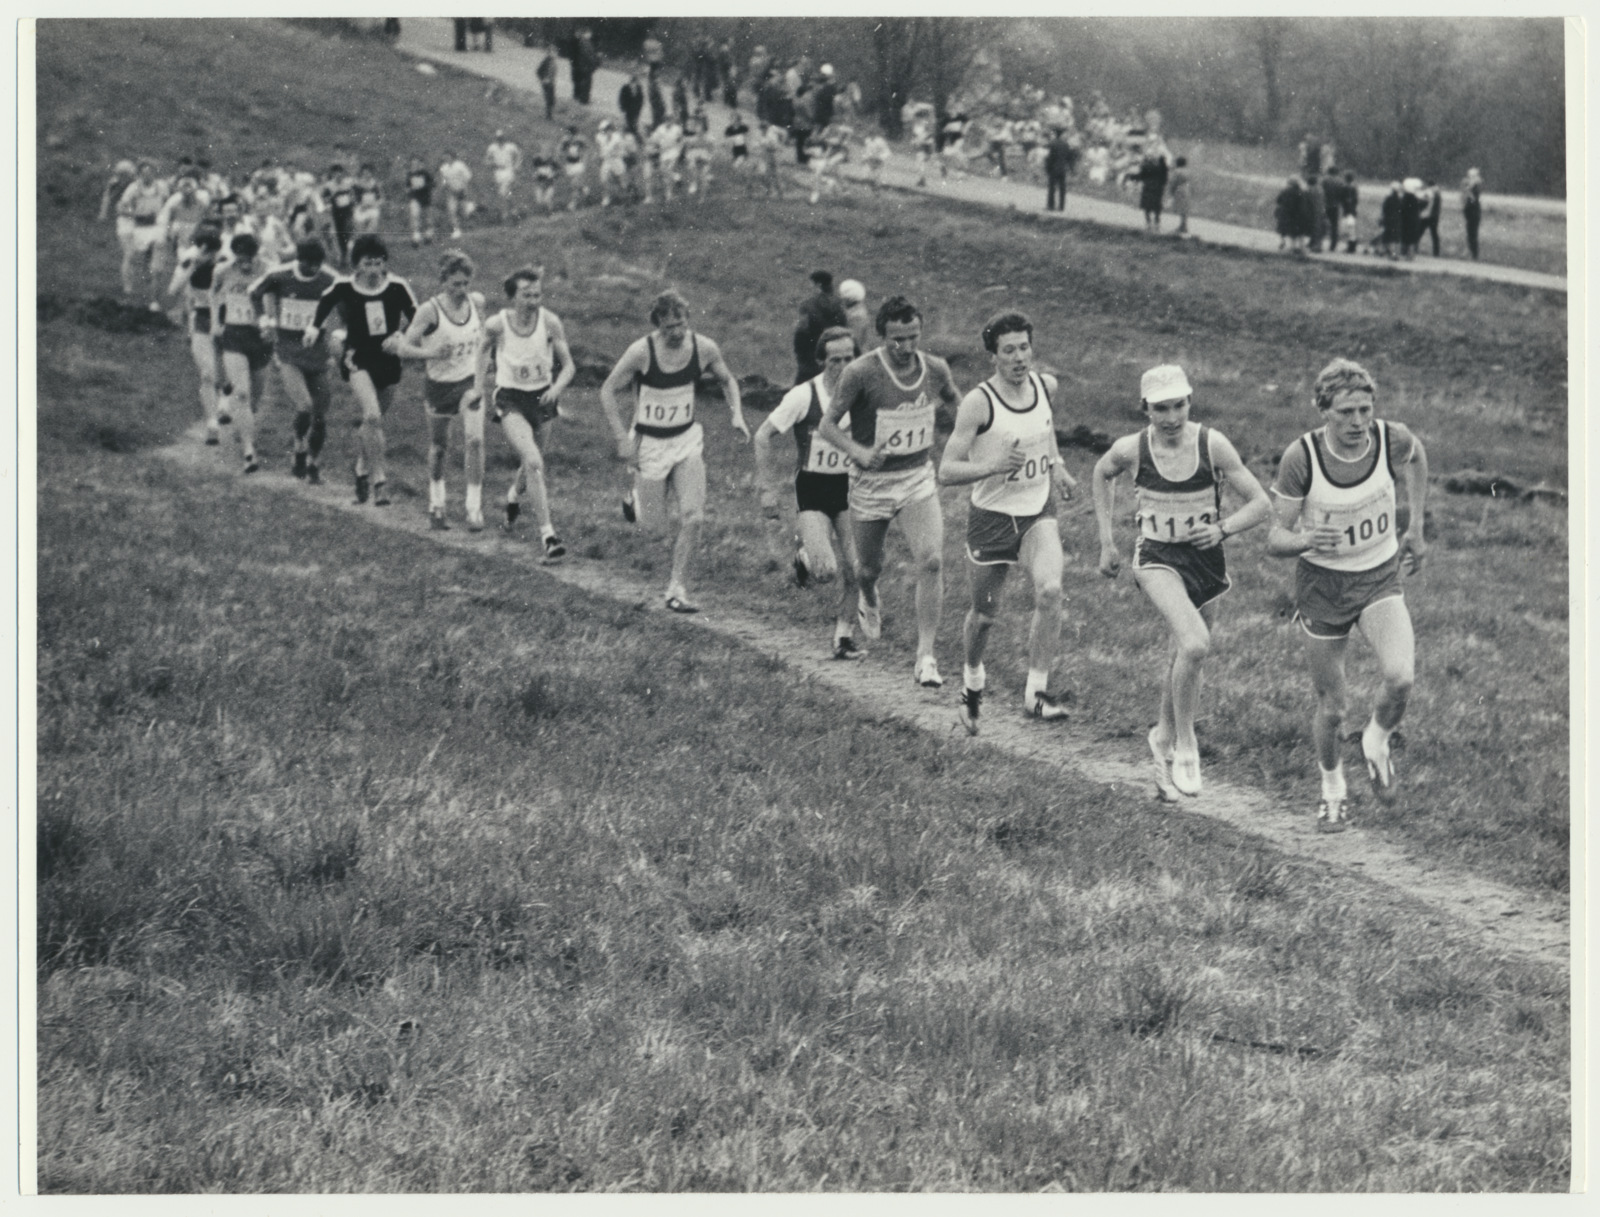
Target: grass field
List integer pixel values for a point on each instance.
(369, 868)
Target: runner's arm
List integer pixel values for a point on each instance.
(629, 367)
(1119, 458)
(957, 468)
(1232, 470)
(413, 343)
(730, 387)
(563, 353)
(1065, 483)
(843, 397)
(769, 471)
(1286, 538)
(1413, 542)
(492, 331)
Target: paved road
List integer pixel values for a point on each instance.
(514, 65)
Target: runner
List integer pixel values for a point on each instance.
(773, 141)
(456, 177)
(737, 133)
(829, 149)
(891, 396)
(339, 199)
(376, 307)
(180, 215)
(286, 299)
(1177, 560)
(527, 345)
(697, 154)
(192, 276)
(270, 230)
(544, 177)
(612, 146)
(853, 297)
(448, 332)
(1004, 443)
(138, 226)
(122, 175)
(301, 203)
(245, 353)
(821, 484)
(667, 141)
(953, 158)
(1336, 509)
(664, 446)
(504, 158)
(876, 155)
(368, 215)
(419, 202)
(574, 148)
(923, 144)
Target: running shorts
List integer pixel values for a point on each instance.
(875, 495)
(529, 403)
(246, 340)
(382, 367)
(1327, 603)
(659, 457)
(1204, 571)
(995, 538)
(504, 177)
(319, 387)
(444, 396)
(574, 169)
(145, 236)
(828, 493)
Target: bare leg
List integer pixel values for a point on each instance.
(923, 523)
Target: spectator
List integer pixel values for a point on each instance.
(760, 62)
(1349, 203)
(1310, 157)
(1472, 208)
(824, 94)
(1411, 218)
(817, 313)
(546, 73)
(1058, 163)
(658, 102)
(701, 56)
(654, 56)
(803, 123)
(481, 27)
(1316, 214)
(1432, 206)
(1178, 185)
(1332, 201)
(1390, 234)
(680, 100)
(727, 71)
(630, 100)
(461, 33)
(1285, 213)
(1152, 178)
(585, 59)
(1309, 206)
(853, 296)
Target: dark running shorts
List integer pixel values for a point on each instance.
(529, 403)
(382, 367)
(444, 396)
(995, 539)
(828, 493)
(246, 340)
(1328, 603)
(1204, 571)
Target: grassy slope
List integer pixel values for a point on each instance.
(710, 929)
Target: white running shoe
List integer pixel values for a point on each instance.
(1044, 706)
(927, 673)
(1161, 756)
(1186, 772)
(869, 617)
(1380, 765)
(1330, 815)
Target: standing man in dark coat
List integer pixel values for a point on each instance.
(1349, 203)
(1307, 206)
(1058, 160)
(1391, 233)
(1410, 218)
(630, 100)
(1332, 201)
(817, 313)
(824, 93)
(585, 59)
(546, 73)
(1432, 206)
(1472, 208)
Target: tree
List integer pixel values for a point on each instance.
(1269, 36)
(895, 43)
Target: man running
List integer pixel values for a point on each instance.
(1004, 443)
(192, 276)
(667, 143)
(527, 345)
(286, 299)
(664, 447)
(376, 308)
(419, 202)
(339, 198)
(821, 484)
(180, 215)
(1335, 508)
(456, 177)
(574, 151)
(891, 396)
(504, 158)
(245, 353)
(612, 145)
(1179, 468)
(138, 215)
(448, 332)
(368, 215)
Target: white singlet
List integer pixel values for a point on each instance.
(458, 357)
(523, 361)
(1363, 513)
(1024, 491)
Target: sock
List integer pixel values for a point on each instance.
(474, 499)
(973, 678)
(1037, 681)
(546, 530)
(844, 629)
(319, 432)
(1383, 733)
(1332, 781)
(302, 427)
(436, 494)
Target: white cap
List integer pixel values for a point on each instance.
(827, 69)
(1413, 184)
(852, 292)
(1166, 383)
(126, 167)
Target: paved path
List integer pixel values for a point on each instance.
(514, 65)
(1385, 871)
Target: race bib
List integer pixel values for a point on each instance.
(906, 430)
(825, 458)
(1363, 525)
(239, 309)
(377, 319)
(1170, 517)
(665, 413)
(1037, 457)
(296, 314)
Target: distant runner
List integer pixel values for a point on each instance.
(286, 299)
(192, 276)
(245, 353)
(419, 202)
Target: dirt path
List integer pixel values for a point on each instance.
(1491, 915)
(514, 65)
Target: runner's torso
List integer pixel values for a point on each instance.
(297, 309)
(1023, 491)
(816, 454)
(896, 414)
(523, 361)
(665, 405)
(1166, 508)
(458, 356)
(1362, 508)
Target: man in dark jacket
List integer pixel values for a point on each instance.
(630, 100)
(824, 94)
(1349, 202)
(1058, 160)
(1332, 201)
(1411, 218)
(585, 59)
(546, 73)
(1432, 206)
(1472, 208)
(817, 313)
(1390, 218)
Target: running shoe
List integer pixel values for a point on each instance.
(1330, 815)
(223, 418)
(802, 572)
(1186, 772)
(927, 673)
(211, 439)
(313, 475)
(299, 469)
(380, 494)
(363, 488)
(628, 513)
(251, 465)
(868, 616)
(475, 521)
(1045, 706)
(513, 510)
(437, 522)
(678, 604)
(553, 549)
(844, 647)
(1380, 765)
(967, 711)
(1161, 755)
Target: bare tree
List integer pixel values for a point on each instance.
(1270, 35)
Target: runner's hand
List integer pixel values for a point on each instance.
(1110, 561)
(309, 338)
(391, 344)
(769, 504)
(1012, 460)
(1324, 539)
(1205, 536)
(742, 427)
(471, 399)
(1065, 482)
(628, 448)
(1413, 552)
(875, 458)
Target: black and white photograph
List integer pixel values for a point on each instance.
(518, 513)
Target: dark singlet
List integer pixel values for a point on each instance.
(666, 399)
(1167, 508)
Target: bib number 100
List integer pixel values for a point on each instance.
(1367, 529)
